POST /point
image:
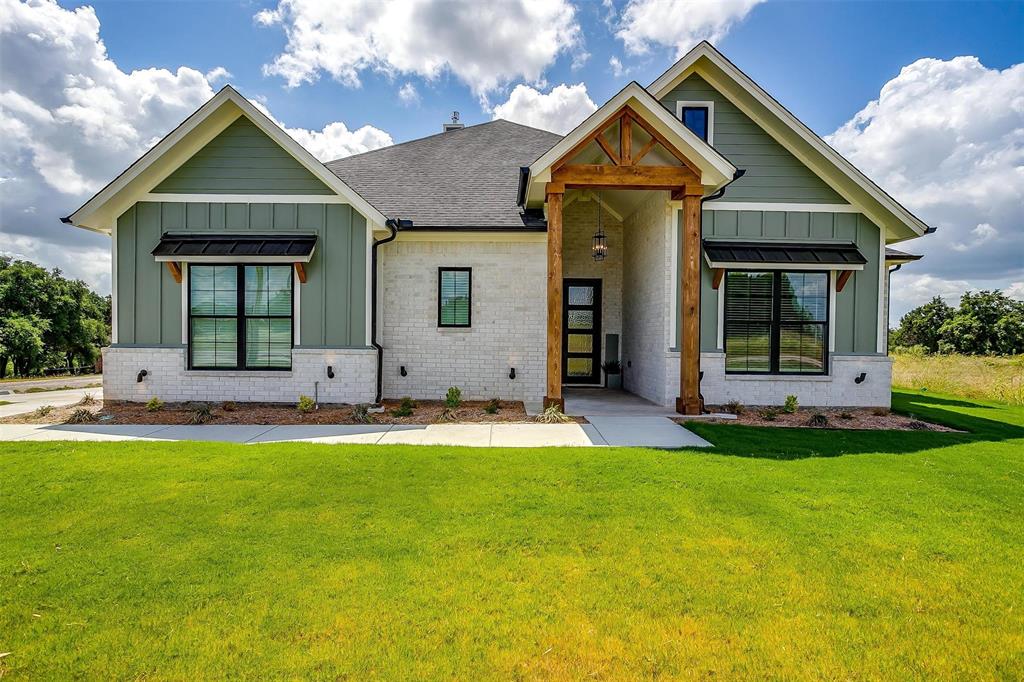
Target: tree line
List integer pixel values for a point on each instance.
(48, 323)
(984, 323)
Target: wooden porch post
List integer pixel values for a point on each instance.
(689, 401)
(555, 192)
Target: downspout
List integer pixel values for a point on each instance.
(392, 226)
(740, 172)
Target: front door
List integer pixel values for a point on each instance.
(581, 332)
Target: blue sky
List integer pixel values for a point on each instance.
(925, 97)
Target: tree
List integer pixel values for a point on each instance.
(920, 327)
(986, 322)
(21, 340)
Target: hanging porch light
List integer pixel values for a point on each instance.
(599, 244)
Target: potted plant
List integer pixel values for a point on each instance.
(612, 374)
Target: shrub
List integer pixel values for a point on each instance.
(734, 407)
(454, 397)
(408, 402)
(81, 416)
(229, 406)
(154, 404)
(880, 411)
(553, 415)
(201, 413)
(42, 410)
(448, 414)
(845, 415)
(818, 420)
(360, 414)
(791, 405)
(769, 414)
(402, 410)
(87, 399)
(305, 404)
(493, 406)
(917, 425)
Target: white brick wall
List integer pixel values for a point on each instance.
(837, 390)
(168, 379)
(509, 320)
(645, 300)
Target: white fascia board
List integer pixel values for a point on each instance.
(715, 168)
(682, 68)
(211, 119)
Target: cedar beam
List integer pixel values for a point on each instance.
(175, 270)
(643, 150)
(844, 277)
(626, 138)
(553, 394)
(300, 270)
(689, 401)
(716, 280)
(603, 144)
(595, 176)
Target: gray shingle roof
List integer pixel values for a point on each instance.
(462, 178)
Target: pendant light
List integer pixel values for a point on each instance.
(599, 247)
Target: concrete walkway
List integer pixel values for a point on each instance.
(20, 403)
(640, 432)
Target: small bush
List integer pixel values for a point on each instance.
(791, 405)
(734, 407)
(81, 416)
(402, 410)
(880, 411)
(42, 411)
(360, 414)
(454, 397)
(154, 404)
(87, 399)
(305, 404)
(818, 420)
(493, 406)
(229, 406)
(201, 413)
(769, 414)
(408, 403)
(448, 414)
(916, 425)
(553, 415)
(845, 415)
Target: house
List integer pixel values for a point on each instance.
(694, 231)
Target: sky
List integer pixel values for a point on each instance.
(926, 98)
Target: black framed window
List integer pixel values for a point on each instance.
(696, 119)
(240, 316)
(776, 322)
(454, 297)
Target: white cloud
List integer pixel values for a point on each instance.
(559, 111)
(71, 120)
(408, 94)
(485, 45)
(217, 73)
(678, 23)
(1015, 290)
(616, 66)
(946, 138)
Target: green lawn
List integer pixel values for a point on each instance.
(782, 554)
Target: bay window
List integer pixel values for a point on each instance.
(240, 316)
(776, 322)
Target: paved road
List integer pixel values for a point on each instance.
(26, 402)
(9, 387)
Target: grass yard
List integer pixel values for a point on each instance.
(782, 554)
(998, 378)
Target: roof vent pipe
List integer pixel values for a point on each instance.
(454, 125)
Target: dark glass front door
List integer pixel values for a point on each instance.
(581, 331)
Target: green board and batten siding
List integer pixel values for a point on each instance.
(242, 160)
(772, 173)
(332, 302)
(855, 318)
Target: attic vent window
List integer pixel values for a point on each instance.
(698, 117)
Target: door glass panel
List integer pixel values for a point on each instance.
(581, 295)
(581, 319)
(579, 367)
(581, 343)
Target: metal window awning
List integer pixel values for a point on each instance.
(195, 247)
(777, 255)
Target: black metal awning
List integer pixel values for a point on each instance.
(195, 247)
(722, 253)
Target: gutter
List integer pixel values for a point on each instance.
(393, 225)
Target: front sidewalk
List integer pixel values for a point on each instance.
(635, 431)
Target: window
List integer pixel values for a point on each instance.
(697, 116)
(454, 297)
(240, 316)
(776, 322)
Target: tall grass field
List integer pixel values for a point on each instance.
(980, 377)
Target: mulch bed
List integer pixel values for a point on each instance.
(425, 412)
(869, 419)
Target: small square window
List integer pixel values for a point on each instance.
(454, 297)
(698, 117)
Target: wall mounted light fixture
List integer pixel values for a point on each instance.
(860, 378)
(512, 374)
(330, 372)
(142, 375)
(401, 370)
